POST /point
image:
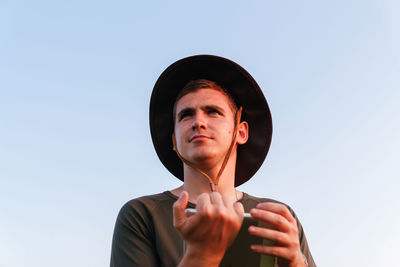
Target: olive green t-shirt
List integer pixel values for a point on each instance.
(144, 234)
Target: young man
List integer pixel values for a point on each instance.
(213, 134)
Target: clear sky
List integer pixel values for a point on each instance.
(75, 84)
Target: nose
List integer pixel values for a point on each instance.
(199, 122)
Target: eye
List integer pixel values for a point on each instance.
(213, 112)
(184, 114)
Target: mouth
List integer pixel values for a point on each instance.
(199, 138)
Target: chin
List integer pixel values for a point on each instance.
(201, 158)
(205, 159)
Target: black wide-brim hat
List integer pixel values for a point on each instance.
(243, 88)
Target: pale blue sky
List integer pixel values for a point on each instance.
(75, 84)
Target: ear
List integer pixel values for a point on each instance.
(243, 133)
(173, 142)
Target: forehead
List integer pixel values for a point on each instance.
(204, 96)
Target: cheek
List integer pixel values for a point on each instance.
(179, 135)
(178, 128)
(229, 128)
(178, 142)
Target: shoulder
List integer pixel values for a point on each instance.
(143, 208)
(148, 203)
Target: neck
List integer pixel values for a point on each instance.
(195, 183)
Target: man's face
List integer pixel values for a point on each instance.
(204, 124)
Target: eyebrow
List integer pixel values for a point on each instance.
(210, 107)
(205, 107)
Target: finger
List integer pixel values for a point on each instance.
(270, 219)
(282, 252)
(239, 210)
(276, 236)
(179, 209)
(204, 204)
(277, 208)
(228, 201)
(218, 206)
(216, 200)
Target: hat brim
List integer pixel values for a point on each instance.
(238, 83)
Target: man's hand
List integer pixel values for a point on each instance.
(283, 232)
(210, 231)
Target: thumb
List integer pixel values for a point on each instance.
(238, 207)
(179, 210)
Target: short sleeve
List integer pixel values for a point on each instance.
(133, 239)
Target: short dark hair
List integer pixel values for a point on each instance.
(196, 85)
